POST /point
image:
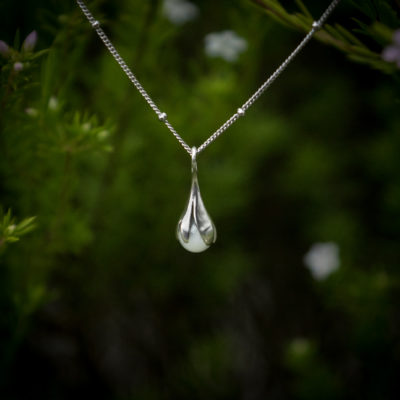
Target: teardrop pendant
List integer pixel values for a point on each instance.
(195, 231)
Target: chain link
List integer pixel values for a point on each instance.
(240, 111)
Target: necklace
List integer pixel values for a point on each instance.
(196, 230)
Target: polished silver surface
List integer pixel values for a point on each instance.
(316, 25)
(196, 230)
(162, 116)
(241, 110)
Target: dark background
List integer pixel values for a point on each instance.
(100, 301)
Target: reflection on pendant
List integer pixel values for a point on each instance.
(196, 231)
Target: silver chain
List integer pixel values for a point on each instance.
(162, 116)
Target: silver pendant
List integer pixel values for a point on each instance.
(195, 231)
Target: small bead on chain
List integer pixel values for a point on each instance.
(316, 25)
(162, 116)
(240, 112)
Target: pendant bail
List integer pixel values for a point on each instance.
(194, 160)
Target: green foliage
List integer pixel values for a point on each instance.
(383, 20)
(10, 231)
(101, 299)
(314, 379)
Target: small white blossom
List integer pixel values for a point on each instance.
(226, 44)
(322, 260)
(10, 229)
(53, 103)
(30, 42)
(86, 126)
(18, 66)
(391, 53)
(32, 112)
(179, 11)
(103, 134)
(4, 49)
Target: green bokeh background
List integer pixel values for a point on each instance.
(100, 301)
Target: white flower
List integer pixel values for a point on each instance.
(30, 42)
(226, 44)
(53, 103)
(179, 11)
(10, 229)
(86, 126)
(18, 66)
(32, 112)
(322, 259)
(392, 53)
(103, 134)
